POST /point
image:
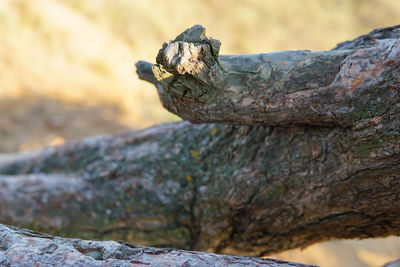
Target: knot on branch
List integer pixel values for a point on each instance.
(190, 55)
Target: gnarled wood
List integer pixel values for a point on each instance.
(356, 81)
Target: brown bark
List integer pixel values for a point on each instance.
(244, 190)
(234, 189)
(19, 247)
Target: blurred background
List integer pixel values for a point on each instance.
(67, 69)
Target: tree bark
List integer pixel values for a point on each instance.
(340, 87)
(249, 190)
(286, 182)
(19, 247)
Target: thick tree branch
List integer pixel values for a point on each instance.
(19, 247)
(244, 190)
(335, 88)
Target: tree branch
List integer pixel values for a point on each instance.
(334, 88)
(228, 189)
(19, 247)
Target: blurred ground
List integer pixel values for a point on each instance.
(67, 69)
(31, 121)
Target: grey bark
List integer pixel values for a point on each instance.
(286, 182)
(356, 81)
(19, 247)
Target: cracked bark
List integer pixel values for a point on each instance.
(301, 174)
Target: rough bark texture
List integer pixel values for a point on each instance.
(19, 247)
(302, 176)
(356, 81)
(249, 190)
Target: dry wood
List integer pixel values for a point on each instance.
(356, 81)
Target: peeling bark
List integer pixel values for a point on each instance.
(19, 247)
(297, 177)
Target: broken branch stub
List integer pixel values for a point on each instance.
(190, 55)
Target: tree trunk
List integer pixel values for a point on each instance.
(19, 247)
(320, 159)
